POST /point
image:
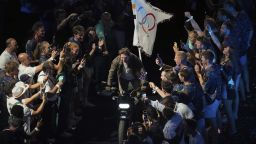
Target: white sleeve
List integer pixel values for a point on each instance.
(27, 111)
(41, 79)
(184, 111)
(31, 71)
(157, 105)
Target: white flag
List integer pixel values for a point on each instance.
(147, 18)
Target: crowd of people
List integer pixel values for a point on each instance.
(46, 86)
(209, 82)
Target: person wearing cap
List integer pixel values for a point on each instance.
(15, 133)
(17, 98)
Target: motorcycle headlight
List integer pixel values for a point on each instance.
(124, 106)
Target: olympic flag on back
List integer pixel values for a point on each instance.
(146, 19)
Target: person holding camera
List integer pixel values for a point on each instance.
(44, 51)
(18, 98)
(69, 92)
(87, 72)
(50, 88)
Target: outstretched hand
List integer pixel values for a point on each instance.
(159, 61)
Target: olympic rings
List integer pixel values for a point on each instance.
(145, 20)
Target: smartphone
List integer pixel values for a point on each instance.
(61, 78)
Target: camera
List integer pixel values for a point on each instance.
(145, 116)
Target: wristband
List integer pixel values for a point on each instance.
(191, 17)
(36, 129)
(51, 59)
(61, 59)
(80, 66)
(58, 86)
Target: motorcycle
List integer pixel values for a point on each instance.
(131, 108)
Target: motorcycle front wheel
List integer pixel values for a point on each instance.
(122, 131)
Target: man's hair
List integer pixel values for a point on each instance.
(211, 21)
(125, 51)
(193, 32)
(11, 66)
(168, 101)
(8, 41)
(168, 113)
(39, 48)
(47, 66)
(228, 24)
(208, 55)
(185, 73)
(78, 29)
(201, 38)
(17, 111)
(204, 41)
(90, 29)
(167, 86)
(37, 26)
(182, 55)
(152, 112)
(174, 78)
(105, 15)
(168, 73)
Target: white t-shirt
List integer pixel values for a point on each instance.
(184, 111)
(127, 72)
(11, 101)
(31, 71)
(6, 57)
(48, 85)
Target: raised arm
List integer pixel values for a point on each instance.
(193, 22)
(40, 108)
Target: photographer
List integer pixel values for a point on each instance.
(44, 51)
(50, 88)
